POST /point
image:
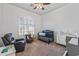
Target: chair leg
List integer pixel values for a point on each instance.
(48, 42)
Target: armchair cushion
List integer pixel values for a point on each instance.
(9, 37)
(48, 33)
(42, 34)
(20, 40)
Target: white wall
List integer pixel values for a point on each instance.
(1, 43)
(0, 22)
(10, 16)
(63, 19)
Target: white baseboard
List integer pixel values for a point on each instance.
(65, 53)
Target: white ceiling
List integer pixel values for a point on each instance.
(48, 8)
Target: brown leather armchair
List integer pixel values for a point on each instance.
(29, 39)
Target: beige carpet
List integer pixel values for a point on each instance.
(39, 48)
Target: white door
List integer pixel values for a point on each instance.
(61, 38)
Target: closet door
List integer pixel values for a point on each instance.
(61, 38)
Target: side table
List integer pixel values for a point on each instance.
(11, 50)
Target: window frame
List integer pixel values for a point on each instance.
(24, 24)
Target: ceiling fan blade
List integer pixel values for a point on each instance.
(46, 3)
(34, 7)
(42, 8)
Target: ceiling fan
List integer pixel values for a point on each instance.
(39, 5)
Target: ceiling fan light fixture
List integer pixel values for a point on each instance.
(39, 5)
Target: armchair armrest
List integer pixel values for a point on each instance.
(21, 39)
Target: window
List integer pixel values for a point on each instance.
(26, 26)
